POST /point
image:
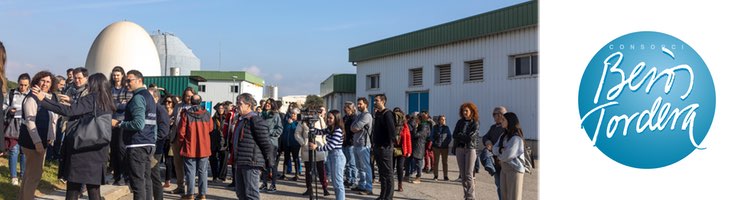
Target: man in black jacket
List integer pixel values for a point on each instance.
(252, 150)
(162, 130)
(384, 135)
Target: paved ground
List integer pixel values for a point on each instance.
(428, 189)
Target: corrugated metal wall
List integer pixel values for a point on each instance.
(173, 84)
(518, 95)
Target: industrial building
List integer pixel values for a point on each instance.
(337, 89)
(223, 86)
(490, 59)
(176, 58)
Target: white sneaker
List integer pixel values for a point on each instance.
(14, 181)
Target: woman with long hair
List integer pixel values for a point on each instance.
(334, 140)
(120, 97)
(169, 103)
(465, 142)
(270, 114)
(87, 166)
(3, 89)
(510, 151)
(219, 154)
(402, 147)
(37, 133)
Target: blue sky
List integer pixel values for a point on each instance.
(293, 44)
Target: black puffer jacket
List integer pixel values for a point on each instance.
(253, 148)
(466, 134)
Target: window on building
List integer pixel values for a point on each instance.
(474, 70)
(418, 101)
(524, 65)
(234, 89)
(415, 77)
(201, 88)
(373, 81)
(443, 74)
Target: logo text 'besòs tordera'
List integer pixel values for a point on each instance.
(646, 100)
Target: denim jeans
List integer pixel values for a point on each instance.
(190, 169)
(13, 159)
(350, 170)
(362, 158)
(414, 166)
(247, 182)
(338, 161)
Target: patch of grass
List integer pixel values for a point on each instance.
(48, 183)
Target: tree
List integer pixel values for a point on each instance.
(313, 102)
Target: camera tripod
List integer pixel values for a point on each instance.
(313, 165)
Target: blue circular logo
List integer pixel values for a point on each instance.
(646, 100)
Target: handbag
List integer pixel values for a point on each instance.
(397, 152)
(92, 132)
(527, 160)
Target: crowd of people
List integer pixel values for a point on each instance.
(96, 126)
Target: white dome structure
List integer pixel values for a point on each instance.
(124, 44)
(175, 55)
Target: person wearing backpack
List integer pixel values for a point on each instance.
(12, 130)
(510, 151)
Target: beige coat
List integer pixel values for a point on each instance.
(301, 135)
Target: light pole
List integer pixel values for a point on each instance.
(234, 83)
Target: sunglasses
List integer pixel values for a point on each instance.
(495, 114)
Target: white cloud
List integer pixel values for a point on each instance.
(255, 70)
(277, 77)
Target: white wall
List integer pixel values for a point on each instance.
(219, 91)
(518, 95)
(336, 100)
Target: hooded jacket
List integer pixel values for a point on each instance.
(195, 128)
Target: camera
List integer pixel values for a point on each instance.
(309, 116)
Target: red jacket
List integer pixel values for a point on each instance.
(406, 140)
(194, 128)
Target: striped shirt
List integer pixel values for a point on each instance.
(333, 141)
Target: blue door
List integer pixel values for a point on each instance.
(418, 101)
